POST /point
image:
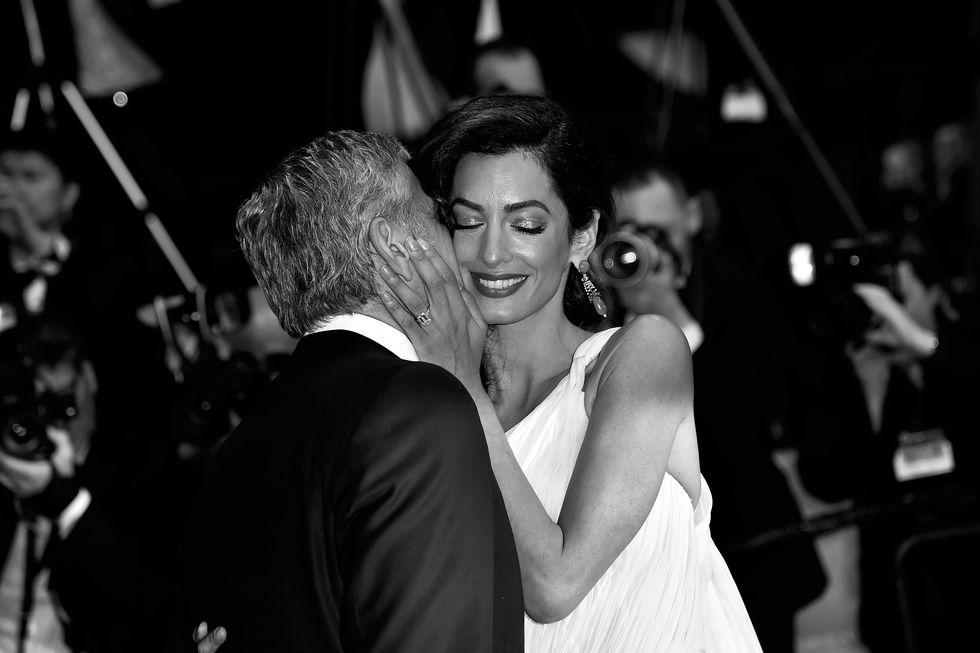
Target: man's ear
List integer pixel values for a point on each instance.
(585, 240)
(69, 198)
(695, 215)
(87, 372)
(388, 241)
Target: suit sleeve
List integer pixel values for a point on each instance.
(419, 549)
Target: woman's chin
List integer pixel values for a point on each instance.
(495, 314)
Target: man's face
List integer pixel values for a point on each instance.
(32, 185)
(656, 204)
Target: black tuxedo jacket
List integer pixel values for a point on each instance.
(354, 509)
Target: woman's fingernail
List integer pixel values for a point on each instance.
(386, 271)
(219, 633)
(386, 296)
(424, 244)
(412, 245)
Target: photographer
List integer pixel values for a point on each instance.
(901, 379)
(717, 302)
(38, 193)
(87, 502)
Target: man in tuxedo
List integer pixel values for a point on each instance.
(354, 508)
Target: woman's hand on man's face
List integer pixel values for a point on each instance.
(445, 326)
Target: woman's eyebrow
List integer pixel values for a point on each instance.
(517, 206)
(508, 208)
(468, 204)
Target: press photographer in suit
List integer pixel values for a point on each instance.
(87, 521)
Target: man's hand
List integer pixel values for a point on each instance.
(209, 642)
(455, 334)
(25, 478)
(28, 478)
(902, 329)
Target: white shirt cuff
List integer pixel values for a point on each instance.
(75, 510)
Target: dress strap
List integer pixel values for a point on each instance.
(587, 352)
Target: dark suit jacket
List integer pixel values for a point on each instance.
(355, 509)
(736, 381)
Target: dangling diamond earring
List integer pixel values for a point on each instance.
(590, 290)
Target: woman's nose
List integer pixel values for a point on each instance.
(493, 249)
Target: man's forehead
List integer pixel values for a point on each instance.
(654, 202)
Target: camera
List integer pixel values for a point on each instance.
(625, 258)
(847, 261)
(217, 387)
(23, 414)
(833, 271)
(213, 389)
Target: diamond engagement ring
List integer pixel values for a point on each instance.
(423, 318)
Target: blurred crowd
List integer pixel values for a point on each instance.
(835, 364)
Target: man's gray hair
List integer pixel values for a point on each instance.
(304, 231)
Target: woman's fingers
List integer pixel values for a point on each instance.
(407, 322)
(439, 278)
(439, 265)
(423, 256)
(411, 301)
(475, 313)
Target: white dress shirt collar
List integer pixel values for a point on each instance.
(374, 329)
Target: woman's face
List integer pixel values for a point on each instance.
(511, 237)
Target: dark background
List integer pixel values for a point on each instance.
(246, 81)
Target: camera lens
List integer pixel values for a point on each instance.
(24, 437)
(623, 260)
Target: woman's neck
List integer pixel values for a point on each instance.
(527, 355)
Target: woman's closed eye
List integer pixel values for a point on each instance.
(533, 228)
(462, 224)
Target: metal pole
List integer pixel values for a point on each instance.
(786, 107)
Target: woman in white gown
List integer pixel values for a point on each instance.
(591, 435)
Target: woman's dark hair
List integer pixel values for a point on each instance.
(540, 127)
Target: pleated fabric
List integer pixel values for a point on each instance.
(669, 590)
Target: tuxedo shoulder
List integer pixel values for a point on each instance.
(424, 382)
(424, 402)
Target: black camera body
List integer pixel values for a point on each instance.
(23, 414)
(834, 270)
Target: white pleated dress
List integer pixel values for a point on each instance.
(669, 590)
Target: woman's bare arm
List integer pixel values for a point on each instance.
(644, 394)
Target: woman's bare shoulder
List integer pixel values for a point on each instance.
(647, 342)
(650, 352)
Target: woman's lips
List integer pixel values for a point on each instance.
(497, 285)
